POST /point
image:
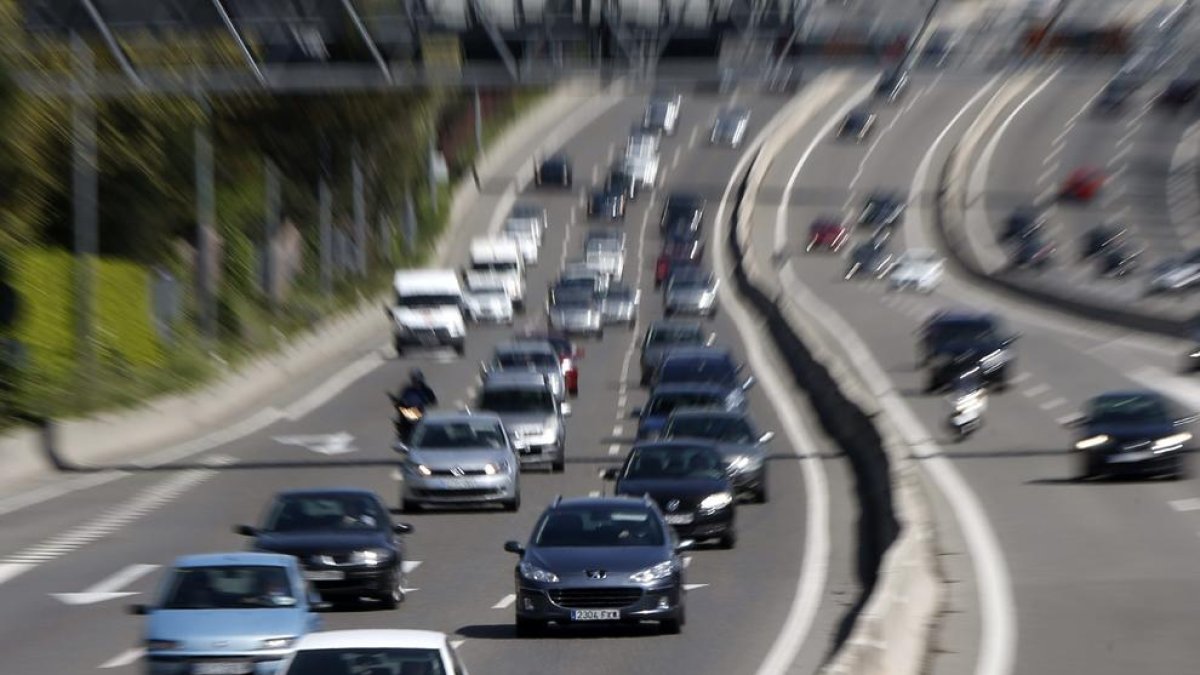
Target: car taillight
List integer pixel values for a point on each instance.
(662, 268)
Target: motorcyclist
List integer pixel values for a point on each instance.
(969, 397)
(418, 391)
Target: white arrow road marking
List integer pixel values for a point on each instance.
(108, 589)
(1185, 505)
(692, 587)
(10, 571)
(687, 561)
(505, 602)
(125, 658)
(324, 444)
(410, 565)
(457, 643)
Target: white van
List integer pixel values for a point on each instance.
(428, 311)
(497, 264)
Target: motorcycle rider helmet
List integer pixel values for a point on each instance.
(417, 376)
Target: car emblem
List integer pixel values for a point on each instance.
(673, 505)
(221, 643)
(458, 471)
(596, 574)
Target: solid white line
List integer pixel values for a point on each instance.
(1053, 403)
(822, 135)
(694, 136)
(1185, 505)
(1117, 158)
(1035, 390)
(505, 602)
(814, 565)
(125, 658)
(12, 570)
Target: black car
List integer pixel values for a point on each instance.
(1132, 432)
(682, 209)
(607, 205)
(600, 560)
(882, 209)
(1033, 251)
(1114, 95)
(1098, 238)
(687, 480)
(665, 336)
(344, 538)
(1180, 92)
(742, 447)
(554, 170)
(869, 258)
(1020, 222)
(892, 85)
(621, 182)
(951, 340)
(858, 125)
(1118, 260)
(714, 365)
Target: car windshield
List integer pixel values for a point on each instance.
(517, 400)
(963, 330)
(857, 120)
(518, 359)
(657, 112)
(665, 404)
(619, 294)
(690, 282)
(674, 462)
(345, 512)
(573, 302)
(675, 335)
(697, 370)
(366, 661)
(597, 526)
(229, 587)
(521, 228)
(1129, 409)
(720, 428)
(507, 266)
(427, 300)
(527, 211)
(457, 435)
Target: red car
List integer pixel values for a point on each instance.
(1083, 184)
(827, 233)
(568, 355)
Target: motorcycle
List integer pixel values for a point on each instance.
(967, 416)
(410, 409)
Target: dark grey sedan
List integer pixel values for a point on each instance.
(742, 447)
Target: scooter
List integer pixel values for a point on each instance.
(409, 411)
(967, 416)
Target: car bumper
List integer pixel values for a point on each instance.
(703, 526)
(354, 581)
(653, 604)
(429, 338)
(748, 481)
(192, 664)
(467, 490)
(1125, 463)
(540, 454)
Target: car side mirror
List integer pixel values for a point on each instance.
(514, 547)
(1074, 421)
(401, 448)
(138, 610)
(610, 473)
(245, 530)
(767, 437)
(685, 545)
(566, 409)
(750, 382)
(402, 528)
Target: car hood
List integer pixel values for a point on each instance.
(1132, 431)
(667, 488)
(240, 629)
(518, 421)
(570, 560)
(465, 457)
(296, 543)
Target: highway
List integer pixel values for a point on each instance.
(1102, 575)
(132, 525)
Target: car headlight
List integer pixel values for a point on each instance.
(1092, 441)
(420, 469)
(1195, 355)
(1171, 442)
(716, 502)
(277, 643)
(656, 573)
(493, 468)
(995, 358)
(534, 573)
(742, 463)
(153, 645)
(372, 556)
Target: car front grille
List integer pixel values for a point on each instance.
(595, 598)
(457, 494)
(462, 472)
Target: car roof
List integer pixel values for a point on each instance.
(234, 558)
(524, 347)
(675, 325)
(673, 443)
(710, 412)
(692, 273)
(614, 501)
(698, 352)
(674, 388)
(376, 638)
(511, 379)
(686, 198)
(1130, 393)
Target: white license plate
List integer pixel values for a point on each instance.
(324, 575)
(679, 518)
(596, 615)
(1129, 457)
(222, 668)
(452, 484)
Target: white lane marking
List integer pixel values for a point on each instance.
(1052, 156)
(1053, 403)
(410, 565)
(1047, 174)
(10, 571)
(505, 602)
(675, 157)
(1185, 505)
(1119, 156)
(979, 177)
(593, 493)
(692, 587)
(1128, 136)
(250, 425)
(595, 174)
(687, 561)
(333, 386)
(1048, 193)
(612, 152)
(1021, 377)
(614, 449)
(695, 135)
(862, 164)
(322, 444)
(637, 283)
(108, 589)
(1059, 139)
(125, 658)
(1035, 390)
(822, 135)
(622, 400)
(814, 562)
(618, 430)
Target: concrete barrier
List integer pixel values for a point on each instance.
(218, 410)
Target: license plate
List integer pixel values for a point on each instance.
(453, 484)
(1129, 457)
(596, 615)
(222, 668)
(324, 575)
(679, 518)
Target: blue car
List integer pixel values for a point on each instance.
(228, 614)
(1138, 432)
(665, 398)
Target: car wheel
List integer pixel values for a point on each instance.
(728, 540)
(560, 464)
(513, 504)
(460, 348)
(672, 626)
(409, 506)
(762, 494)
(1091, 467)
(395, 595)
(1182, 470)
(528, 628)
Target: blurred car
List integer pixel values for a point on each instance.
(529, 355)
(576, 314)
(344, 539)
(664, 399)
(827, 233)
(1114, 95)
(527, 232)
(690, 290)
(743, 449)
(662, 115)
(620, 181)
(868, 259)
(555, 170)
(228, 613)
(1020, 222)
(882, 209)
(605, 205)
(892, 85)
(568, 354)
(460, 458)
(704, 364)
(688, 482)
(677, 252)
(1118, 260)
(1180, 92)
(937, 48)
(918, 269)
(1083, 184)
(531, 413)
(1033, 251)
(348, 652)
(729, 129)
(606, 256)
(1175, 274)
(642, 142)
(858, 125)
(1139, 432)
(531, 211)
(950, 337)
(489, 307)
(577, 274)
(682, 208)
(643, 167)
(599, 560)
(661, 337)
(619, 305)
(1096, 239)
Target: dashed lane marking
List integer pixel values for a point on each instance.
(505, 602)
(125, 658)
(1185, 505)
(1035, 390)
(593, 493)
(1120, 156)
(1021, 377)
(1052, 404)
(618, 430)
(614, 449)
(687, 561)
(695, 135)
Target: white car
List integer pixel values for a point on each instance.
(918, 269)
(1175, 274)
(494, 306)
(351, 652)
(643, 168)
(642, 143)
(527, 232)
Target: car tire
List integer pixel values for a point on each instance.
(395, 595)
(672, 626)
(529, 628)
(763, 494)
(1183, 471)
(728, 540)
(409, 506)
(560, 463)
(513, 505)
(460, 349)
(1090, 469)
